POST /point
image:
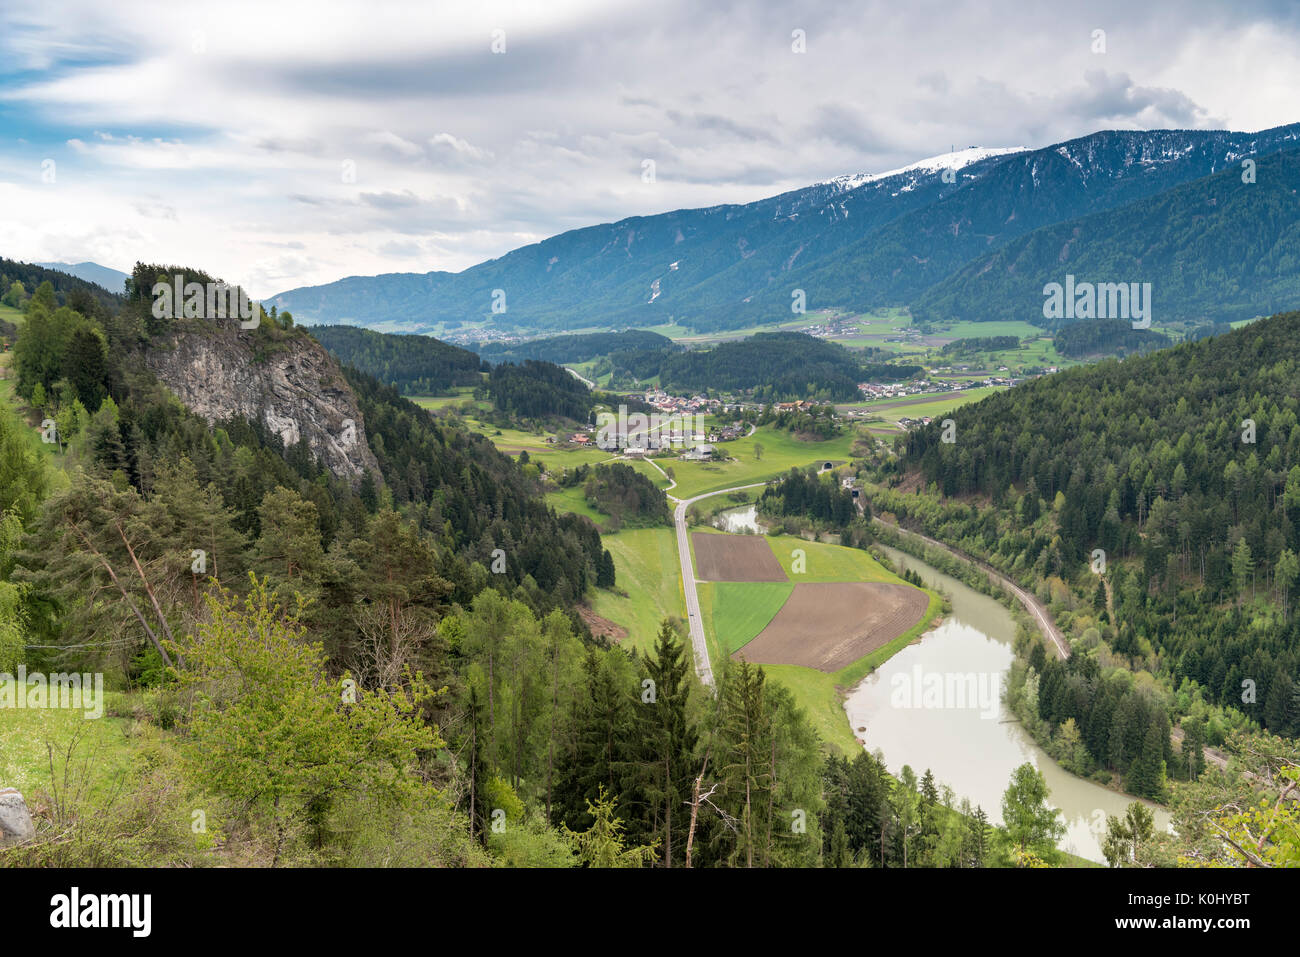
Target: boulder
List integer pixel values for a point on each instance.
(15, 820)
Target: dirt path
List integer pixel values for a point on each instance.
(1044, 621)
(1031, 603)
(672, 482)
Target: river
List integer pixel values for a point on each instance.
(737, 520)
(965, 735)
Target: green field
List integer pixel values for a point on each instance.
(11, 402)
(460, 395)
(781, 452)
(735, 612)
(891, 410)
(647, 569)
(974, 330)
(513, 441)
(573, 500)
(827, 563)
(24, 733)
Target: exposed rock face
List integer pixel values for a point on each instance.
(15, 820)
(295, 389)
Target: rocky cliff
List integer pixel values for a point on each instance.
(289, 383)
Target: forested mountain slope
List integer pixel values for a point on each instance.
(414, 365)
(770, 366)
(573, 348)
(1183, 468)
(644, 270)
(1088, 175)
(67, 287)
(1219, 247)
(267, 488)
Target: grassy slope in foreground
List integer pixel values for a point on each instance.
(645, 560)
(25, 732)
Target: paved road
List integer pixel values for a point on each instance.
(702, 665)
(587, 382)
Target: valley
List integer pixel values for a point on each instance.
(464, 506)
(442, 443)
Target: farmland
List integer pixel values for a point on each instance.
(736, 614)
(646, 563)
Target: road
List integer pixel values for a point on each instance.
(1045, 623)
(587, 382)
(1031, 603)
(703, 667)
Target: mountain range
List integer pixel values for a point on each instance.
(910, 237)
(114, 280)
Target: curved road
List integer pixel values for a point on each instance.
(1032, 604)
(583, 379)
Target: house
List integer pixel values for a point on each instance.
(580, 438)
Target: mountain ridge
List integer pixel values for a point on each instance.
(882, 242)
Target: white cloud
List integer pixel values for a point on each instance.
(223, 157)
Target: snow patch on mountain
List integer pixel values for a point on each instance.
(934, 164)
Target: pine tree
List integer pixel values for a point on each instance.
(1243, 568)
(979, 837)
(866, 813)
(1194, 747)
(602, 845)
(477, 769)
(670, 738)
(85, 365)
(601, 750)
(1146, 777)
(605, 573)
(289, 550)
(745, 762)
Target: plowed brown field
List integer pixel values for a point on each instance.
(830, 625)
(735, 558)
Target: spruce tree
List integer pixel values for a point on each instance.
(670, 739)
(1146, 777)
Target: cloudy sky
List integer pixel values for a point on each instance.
(280, 144)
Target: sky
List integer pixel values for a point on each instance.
(285, 144)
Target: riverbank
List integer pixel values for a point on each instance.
(971, 744)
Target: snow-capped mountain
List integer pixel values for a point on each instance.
(959, 159)
(855, 242)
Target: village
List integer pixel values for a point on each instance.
(678, 422)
